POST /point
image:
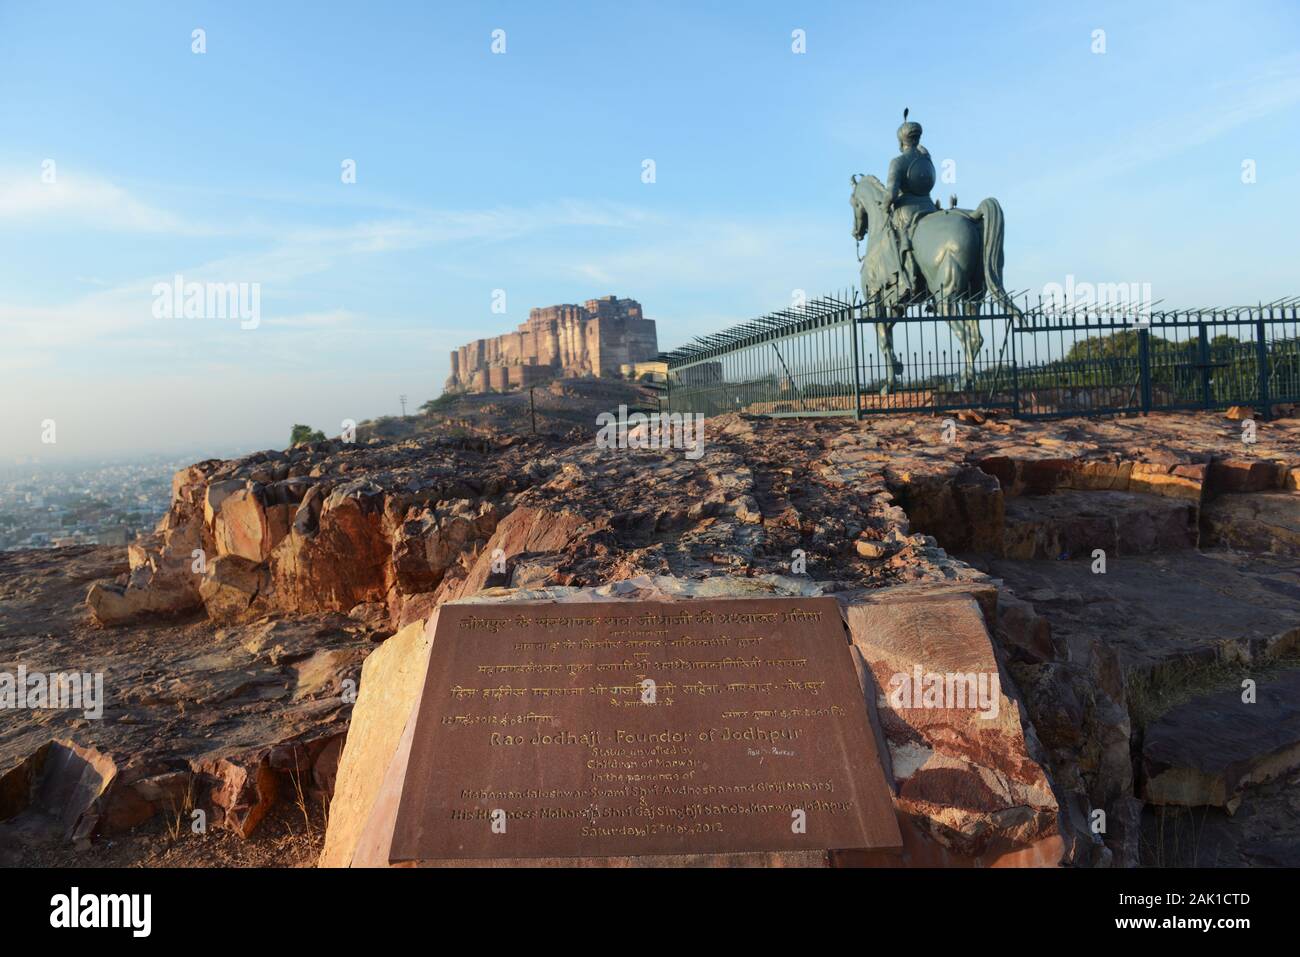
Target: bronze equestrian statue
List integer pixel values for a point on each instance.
(918, 252)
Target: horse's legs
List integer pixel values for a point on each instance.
(952, 279)
(894, 359)
(962, 316)
(945, 309)
(968, 334)
(973, 340)
(885, 339)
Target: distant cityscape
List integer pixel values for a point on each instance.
(105, 503)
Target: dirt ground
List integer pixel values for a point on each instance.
(285, 838)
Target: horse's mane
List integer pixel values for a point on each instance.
(878, 186)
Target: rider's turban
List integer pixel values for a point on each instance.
(909, 132)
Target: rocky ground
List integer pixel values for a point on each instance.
(556, 408)
(232, 641)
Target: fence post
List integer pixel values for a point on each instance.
(857, 372)
(1013, 329)
(1015, 369)
(1144, 368)
(1203, 357)
(1261, 360)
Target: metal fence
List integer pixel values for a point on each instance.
(828, 357)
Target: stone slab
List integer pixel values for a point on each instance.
(540, 711)
(378, 720)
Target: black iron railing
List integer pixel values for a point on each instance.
(831, 356)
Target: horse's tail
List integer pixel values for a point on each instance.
(992, 226)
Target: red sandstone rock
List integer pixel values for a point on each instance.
(346, 561)
(525, 530)
(1025, 633)
(241, 792)
(231, 586)
(61, 782)
(245, 526)
(966, 775)
(1244, 475)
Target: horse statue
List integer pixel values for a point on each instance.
(957, 254)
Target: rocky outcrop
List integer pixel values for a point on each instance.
(521, 538)
(1080, 716)
(383, 531)
(407, 523)
(968, 768)
(231, 587)
(245, 525)
(164, 574)
(66, 792)
(1207, 751)
(964, 511)
(60, 786)
(433, 540)
(1260, 522)
(240, 793)
(293, 531)
(340, 560)
(1074, 524)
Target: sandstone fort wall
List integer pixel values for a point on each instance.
(593, 339)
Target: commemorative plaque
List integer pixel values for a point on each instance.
(621, 729)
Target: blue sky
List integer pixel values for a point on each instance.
(522, 172)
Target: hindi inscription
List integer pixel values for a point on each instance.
(631, 728)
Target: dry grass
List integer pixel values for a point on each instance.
(1177, 841)
(179, 811)
(281, 840)
(1151, 693)
(300, 798)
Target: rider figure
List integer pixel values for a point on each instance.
(907, 198)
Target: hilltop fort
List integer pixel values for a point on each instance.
(605, 337)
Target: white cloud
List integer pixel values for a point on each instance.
(84, 201)
(121, 313)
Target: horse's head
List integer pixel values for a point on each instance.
(860, 219)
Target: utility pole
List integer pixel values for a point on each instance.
(402, 399)
(532, 410)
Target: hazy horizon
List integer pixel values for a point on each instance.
(130, 159)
